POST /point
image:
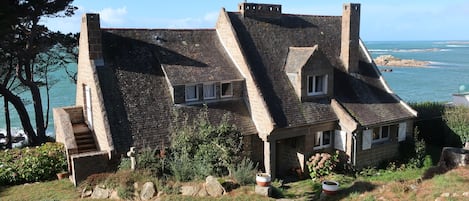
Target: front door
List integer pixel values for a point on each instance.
(89, 112)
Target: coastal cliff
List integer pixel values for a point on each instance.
(389, 60)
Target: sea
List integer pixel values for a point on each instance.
(448, 70)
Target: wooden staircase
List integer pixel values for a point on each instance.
(84, 138)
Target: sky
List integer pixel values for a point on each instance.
(384, 20)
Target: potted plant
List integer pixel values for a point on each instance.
(263, 179)
(330, 187)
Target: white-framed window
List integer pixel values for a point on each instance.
(317, 85)
(322, 139)
(381, 134)
(226, 89)
(209, 91)
(192, 93)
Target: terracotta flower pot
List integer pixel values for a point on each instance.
(62, 175)
(263, 179)
(330, 187)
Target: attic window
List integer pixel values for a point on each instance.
(209, 91)
(317, 85)
(192, 93)
(226, 89)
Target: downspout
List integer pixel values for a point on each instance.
(354, 155)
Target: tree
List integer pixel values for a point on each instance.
(27, 50)
(457, 119)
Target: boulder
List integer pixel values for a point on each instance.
(452, 157)
(100, 193)
(191, 190)
(263, 190)
(148, 191)
(213, 187)
(86, 193)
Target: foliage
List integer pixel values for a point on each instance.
(420, 151)
(209, 148)
(245, 172)
(28, 51)
(322, 164)
(457, 119)
(32, 164)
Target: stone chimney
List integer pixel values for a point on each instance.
(260, 10)
(349, 50)
(90, 38)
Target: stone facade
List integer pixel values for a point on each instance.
(90, 57)
(256, 104)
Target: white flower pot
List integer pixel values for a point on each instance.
(330, 187)
(263, 179)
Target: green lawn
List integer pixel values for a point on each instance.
(388, 185)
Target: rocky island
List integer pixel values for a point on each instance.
(389, 60)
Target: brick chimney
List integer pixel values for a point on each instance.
(349, 50)
(90, 38)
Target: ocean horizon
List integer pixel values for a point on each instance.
(448, 69)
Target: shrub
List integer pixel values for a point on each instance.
(245, 172)
(322, 164)
(209, 148)
(32, 164)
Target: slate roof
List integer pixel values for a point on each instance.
(266, 43)
(297, 58)
(364, 97)
(136, 93)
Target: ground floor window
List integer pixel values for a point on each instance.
(322, 139)
(381, 133)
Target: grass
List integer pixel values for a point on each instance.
(52, 190)
(387, 185)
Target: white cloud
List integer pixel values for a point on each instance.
(111, 16)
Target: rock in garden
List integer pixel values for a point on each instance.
(148, 191)
(263, 190)
(100, 193)
(190, 190)
(213, 187)
(86, 193)
(202, 192)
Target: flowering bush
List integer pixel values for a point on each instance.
(322, 164)
(32, 164)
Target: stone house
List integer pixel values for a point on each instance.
(293, 84)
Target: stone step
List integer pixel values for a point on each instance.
(80, 128)
(87, 150)
(84, 141)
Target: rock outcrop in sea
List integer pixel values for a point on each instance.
(389, 60)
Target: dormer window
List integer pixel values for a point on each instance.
(317, 85)
(226, 89)
(192, 93)
(209, 91)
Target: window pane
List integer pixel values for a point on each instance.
(376, 134)
(326, 138)
(319, 84)
(317, 139)
(209, 91)
(310, 84)
(191, 92)
(385, 132)
(226, 89)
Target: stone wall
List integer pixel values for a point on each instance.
(90, 58)
(378, 153)
(255, 102)
(86, 164)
